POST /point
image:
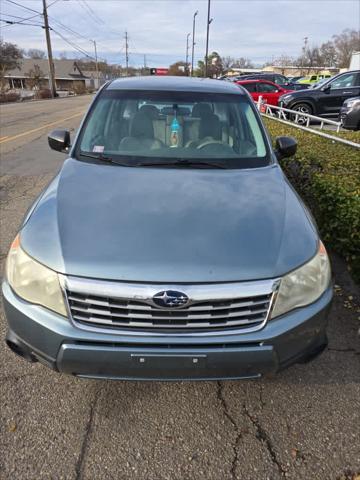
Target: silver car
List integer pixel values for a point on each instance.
(170, 245)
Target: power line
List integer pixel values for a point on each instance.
(74, 45)
(95, 15)
(23, 6)
(11, 22)
(69, 29)
(17, 16)
(19, 19)
(77, 34)
(53, 3)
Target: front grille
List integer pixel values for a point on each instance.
(114, 312)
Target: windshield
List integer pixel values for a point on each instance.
(147, 127)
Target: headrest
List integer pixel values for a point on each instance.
(151, 111)
(201, 110)
(141, 126)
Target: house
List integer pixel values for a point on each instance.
(34, 74)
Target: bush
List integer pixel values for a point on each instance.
(9, 97)
(45, 93)
(327, 176)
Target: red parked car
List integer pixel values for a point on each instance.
(268, 90)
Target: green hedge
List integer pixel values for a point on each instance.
(327, 176)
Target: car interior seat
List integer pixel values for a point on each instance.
(141, 134)
(209, 126)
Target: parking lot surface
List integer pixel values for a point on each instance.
(303, 423)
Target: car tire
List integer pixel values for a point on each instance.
(301, 108)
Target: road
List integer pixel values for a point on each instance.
(302, 424)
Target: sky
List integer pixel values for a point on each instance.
(257, 29)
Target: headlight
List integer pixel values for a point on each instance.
(284, 98)
(32, 281)
(351, 102)
(304, 285)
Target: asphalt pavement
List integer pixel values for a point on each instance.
(303, 423)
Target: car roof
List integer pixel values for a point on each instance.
(168, 83)
(256, 80)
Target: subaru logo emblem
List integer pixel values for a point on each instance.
(170, 299)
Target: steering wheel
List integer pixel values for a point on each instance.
(248, 148)
(210, 142)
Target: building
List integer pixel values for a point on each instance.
(94, 79)
(293, 71)
(34, 74)
(288, 70)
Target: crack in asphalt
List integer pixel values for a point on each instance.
(344, 350)
(227, 414)
(264, 438)
(79, 467)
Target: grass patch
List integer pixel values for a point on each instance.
(327, 176)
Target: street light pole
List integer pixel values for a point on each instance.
(187, 55)
(193, 44)
(49, 50)
(209, 20)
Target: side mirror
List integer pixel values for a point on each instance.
(285, 147)
(59, 140)
(326, 88)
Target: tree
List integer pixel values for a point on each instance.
(310, 58)
(345, 44)
(227, 62)
(333, 53)
(215, 66)
(10, 55)
(35, 53)
(243, 63)
(36, 75)
(178, 69)
(328, 54)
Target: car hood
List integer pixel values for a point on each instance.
(309, 92)
(169, 225)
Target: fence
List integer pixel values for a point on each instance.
(282, 115)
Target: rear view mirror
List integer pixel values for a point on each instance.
(59, 140)
(285, 147)
(326, 88)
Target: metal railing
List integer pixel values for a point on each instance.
(281, 114)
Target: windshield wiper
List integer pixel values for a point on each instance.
(104, 158)
(183, 163)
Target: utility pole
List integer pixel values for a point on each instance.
(49, 51)
(96, 66)
(209, 20)
(127, 53)
(187, 55)
(193, 45)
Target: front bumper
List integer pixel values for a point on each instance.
(54, 341)
(349, 118)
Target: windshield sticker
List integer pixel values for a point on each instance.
(98, 148)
